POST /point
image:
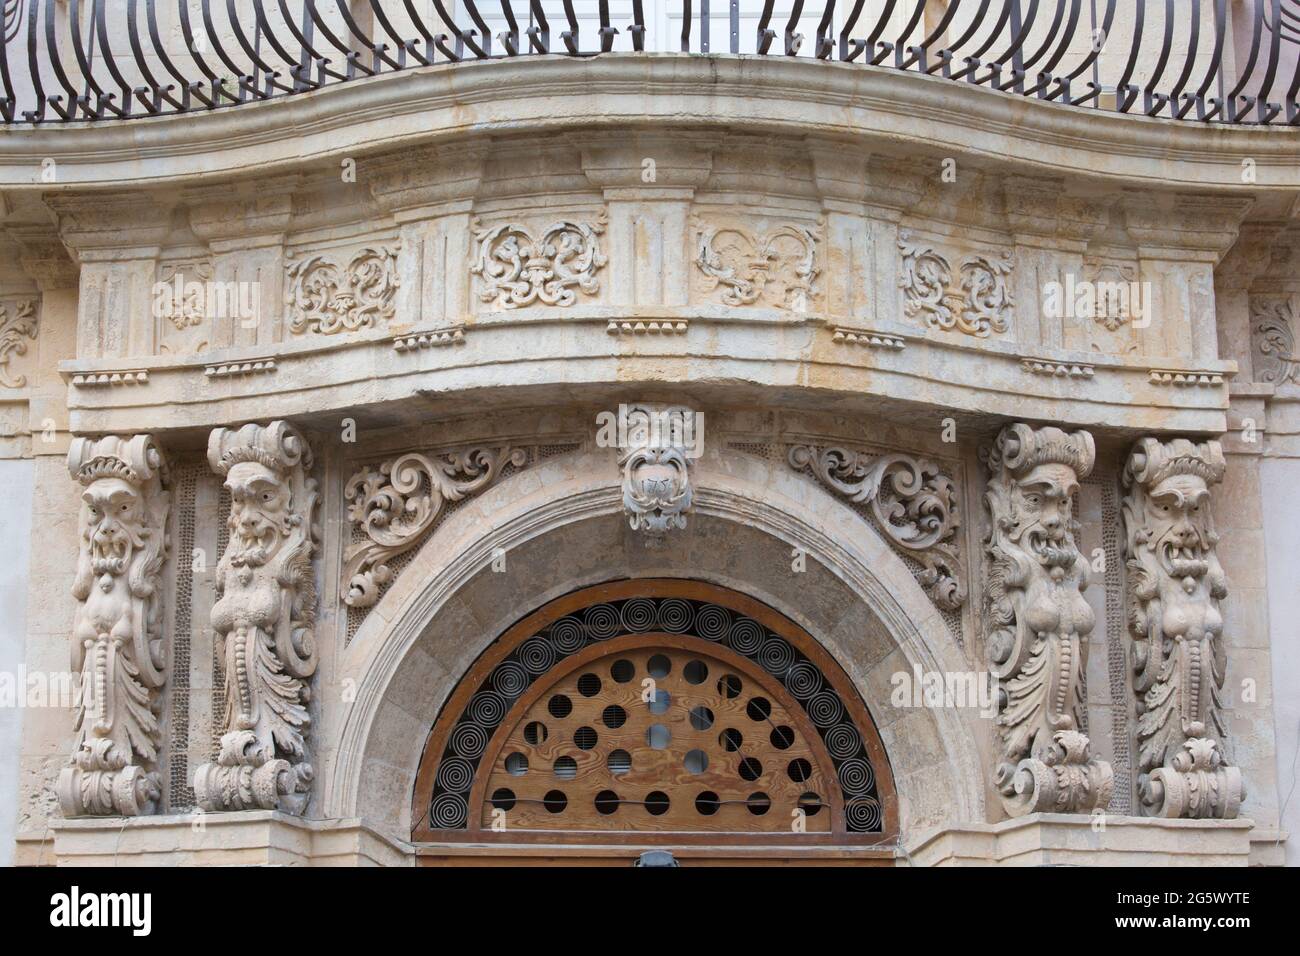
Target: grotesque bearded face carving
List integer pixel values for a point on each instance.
(1179, 514)
(114, 520)
(259, 513)
(1042, 506)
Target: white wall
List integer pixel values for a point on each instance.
(1280, 482)
(15, 535)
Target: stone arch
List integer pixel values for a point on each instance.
(562, 528)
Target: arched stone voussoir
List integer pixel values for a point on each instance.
(563, 529)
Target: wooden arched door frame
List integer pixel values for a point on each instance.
(474, 680)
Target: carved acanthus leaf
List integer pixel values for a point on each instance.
(326, 296)
(16, 331)
(117, 640)
(780, 267)
(395, 503)
(181, 295)
(913, 501)
(1272, 331)
(1175, 585)
(1038, 622)
(979, 303)
(515, 269)
(1114, 287)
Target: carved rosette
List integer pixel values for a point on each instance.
(978, 301)
(656, 467)
(394, 504)
(117, 635)
(1038, 622)
(515, 269)
(779, 267)
(1175, 584)
(913, 501)
(17, 329)
(264, 616)
(326, 296)
(1272, 331)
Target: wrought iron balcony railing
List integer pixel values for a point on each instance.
(1223, 61)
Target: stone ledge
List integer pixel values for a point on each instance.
(256, 838)
(1055, 839)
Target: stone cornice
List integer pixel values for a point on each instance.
(769, 96)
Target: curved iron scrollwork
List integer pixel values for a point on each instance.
(97, 60)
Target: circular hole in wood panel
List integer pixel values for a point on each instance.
(799, 770)
(622, 670)
(618, 761)
(758, 803)
(659, 703)
(535, 733)
(606, 802)
(613, 717)
(555, 801)
(731, 739)
(696, 761)
(503, 798)
(659, 666)
(782, 737)
(810, 803)
(585, 738)
(658, 736)
(707, 803)
(566, 768)
(759, 708)
(656, 803)
(696, 672)
(560, 706)
(517, 764)
(729, 686)
(751, 769)
(701, 717)
(589, 685)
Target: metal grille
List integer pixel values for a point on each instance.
(74, 60)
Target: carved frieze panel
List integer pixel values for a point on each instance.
(515, 266)
(778, 268)
(182, 305)
(264, 618)
(19, 323)
(913, 501)
(1272, 336)
(1114, 287)
(333, 293)
(1038, 621)
(393, 504)
(975, 298)
(117, 640)
(1175, 586)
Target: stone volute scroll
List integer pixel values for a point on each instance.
(264, 617)
(1038, 622)
(1175, 584)
(118, 641)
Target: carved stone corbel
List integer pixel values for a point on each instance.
(1038, 622)
(265, 614)
(913, 501)
(118, 632)
(657, 450)
(1175, 584)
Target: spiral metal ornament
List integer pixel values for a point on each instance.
(856, 776)
(568, 635)
(602, 622)
(842, 741)
(469, 740)
(712, 622)
(803, 680)
(675, 615)
(456, 775)
(449, 811)
(825, 709)
(746, 637)
(776, 656)
(510, 679)
(537, 655)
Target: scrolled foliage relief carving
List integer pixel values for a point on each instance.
(1175, 586)
(265, 617)
(1038, 622)
(117, 640)
(394, 503)
(778, 268)
(516, 268)
(328, 296)
(915, 503)
(977, 301)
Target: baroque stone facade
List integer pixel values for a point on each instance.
(787, 398)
